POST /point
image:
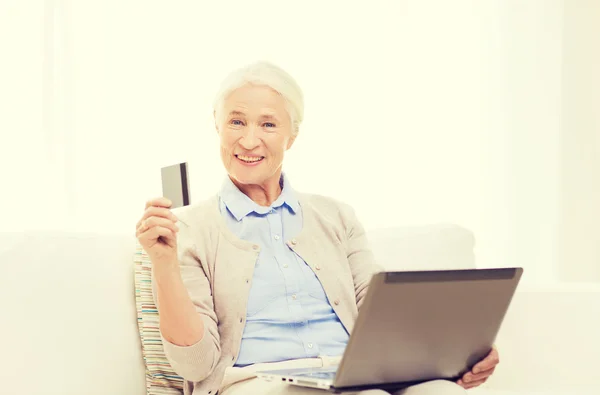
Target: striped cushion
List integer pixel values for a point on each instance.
(160, 377)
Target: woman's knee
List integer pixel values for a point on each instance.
(435, 387)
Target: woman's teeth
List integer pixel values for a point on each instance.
(250, 158)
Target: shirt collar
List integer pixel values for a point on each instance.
(241, 205)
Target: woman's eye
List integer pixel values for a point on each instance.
(269, 125)
(237, 122)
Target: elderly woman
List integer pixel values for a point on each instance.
(261, 276)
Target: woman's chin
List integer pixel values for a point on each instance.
(248, 176)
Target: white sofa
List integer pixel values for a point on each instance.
(68, 321)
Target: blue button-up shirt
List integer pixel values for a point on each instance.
(288, 315)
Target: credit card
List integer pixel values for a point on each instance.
(175, 184)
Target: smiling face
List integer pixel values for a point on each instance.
(255, 130)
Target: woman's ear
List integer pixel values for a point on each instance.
(290, 142)
(294, 135)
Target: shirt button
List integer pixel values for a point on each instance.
(285, 266)
(310, 345)
(318, 267)
(276, 237)
(294, 242)
(336, 302)
(294, 296)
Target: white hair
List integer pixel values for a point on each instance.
(272, 76)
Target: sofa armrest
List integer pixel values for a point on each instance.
(550, 340)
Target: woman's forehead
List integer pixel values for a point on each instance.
(253, 100)
(248, 95)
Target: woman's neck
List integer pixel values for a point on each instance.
(263, 194)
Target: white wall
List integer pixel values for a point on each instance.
(580, 143)
(416, 112)
(22, 144)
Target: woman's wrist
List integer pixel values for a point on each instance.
(166, 271)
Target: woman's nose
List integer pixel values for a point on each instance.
(250, 140)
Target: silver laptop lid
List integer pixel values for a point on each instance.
(417, 326)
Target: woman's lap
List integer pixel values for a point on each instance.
(441, 387)
(262, 387)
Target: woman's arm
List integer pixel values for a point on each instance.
(360, 257)
(180, 323)
(187, 320)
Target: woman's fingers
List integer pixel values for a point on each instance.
(470, 380)
(159, 202)
(154, 211)
(157, 231)
(154, 233)
(471, 384)
(152, 222)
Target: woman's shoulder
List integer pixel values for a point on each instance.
(319, 200)
(326, 205)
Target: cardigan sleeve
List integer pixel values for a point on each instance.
(195, 362)
(360, 257)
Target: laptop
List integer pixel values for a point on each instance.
(414, 327)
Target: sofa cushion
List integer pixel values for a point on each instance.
(160, 376)
(68, 302)
(431, 247)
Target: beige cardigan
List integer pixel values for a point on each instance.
(217, 268)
